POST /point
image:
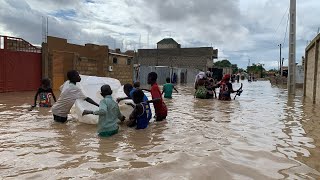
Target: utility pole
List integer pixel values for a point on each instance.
(292, 50)
(281, 70)
(47, 27)
(282, 66)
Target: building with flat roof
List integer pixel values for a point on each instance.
(169, 53)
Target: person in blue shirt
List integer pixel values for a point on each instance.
(108, 112)
(141, 113)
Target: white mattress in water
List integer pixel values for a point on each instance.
(90, 86)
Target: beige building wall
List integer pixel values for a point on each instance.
(63, 57)
(60, 63)
(312, 71)
(196, 58)
(123, 69)
(318, 73)
(87, 66)
(90, 59)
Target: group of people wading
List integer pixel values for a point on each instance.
(206, 87)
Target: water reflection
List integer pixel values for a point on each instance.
(262, 135)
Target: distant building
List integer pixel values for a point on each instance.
(167, 43)
(169, 53)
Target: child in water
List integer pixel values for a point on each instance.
(159, 106)
(167, 89)
(128, 90)
(45, 93)
(141, 114)
(108, 112)
(136, 85)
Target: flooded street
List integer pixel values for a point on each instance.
(260, 135)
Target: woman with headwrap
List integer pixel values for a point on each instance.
(199, 85)
(200, 79)
(225, 88)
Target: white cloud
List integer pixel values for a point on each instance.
(240, 29)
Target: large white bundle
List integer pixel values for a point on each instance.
(90, 86)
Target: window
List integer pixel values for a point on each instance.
(129, 61)
(115, 60)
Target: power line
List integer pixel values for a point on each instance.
(280, 22)
(285, 35)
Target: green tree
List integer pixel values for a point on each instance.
(235, 68)
(274, 70)
(226, 63)
(256, 69)
(223, 63)
(241, 70)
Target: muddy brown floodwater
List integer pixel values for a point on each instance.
(263, 134)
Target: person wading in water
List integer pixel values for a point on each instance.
(225, 88)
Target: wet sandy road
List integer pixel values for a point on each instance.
(263, 134)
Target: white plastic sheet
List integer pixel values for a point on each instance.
(90, 86)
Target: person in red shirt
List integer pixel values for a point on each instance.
(159, 106)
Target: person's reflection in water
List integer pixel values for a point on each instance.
(144, 142)
(107, 147)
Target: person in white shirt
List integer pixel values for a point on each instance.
(68, 96)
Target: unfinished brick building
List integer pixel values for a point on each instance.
(59, 57)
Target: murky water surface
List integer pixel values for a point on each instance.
(260, 135)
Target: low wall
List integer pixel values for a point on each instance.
(311, 86)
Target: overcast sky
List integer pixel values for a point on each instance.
(240, 29)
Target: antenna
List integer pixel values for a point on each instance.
(148, 41)
(122, 44)
(43, 33)
(140, 41)
(44, 29)
(126, 43)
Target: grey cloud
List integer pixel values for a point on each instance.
(203, 20)
(238, 33)
(25, 22)
(170, 10)
(55, 4)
